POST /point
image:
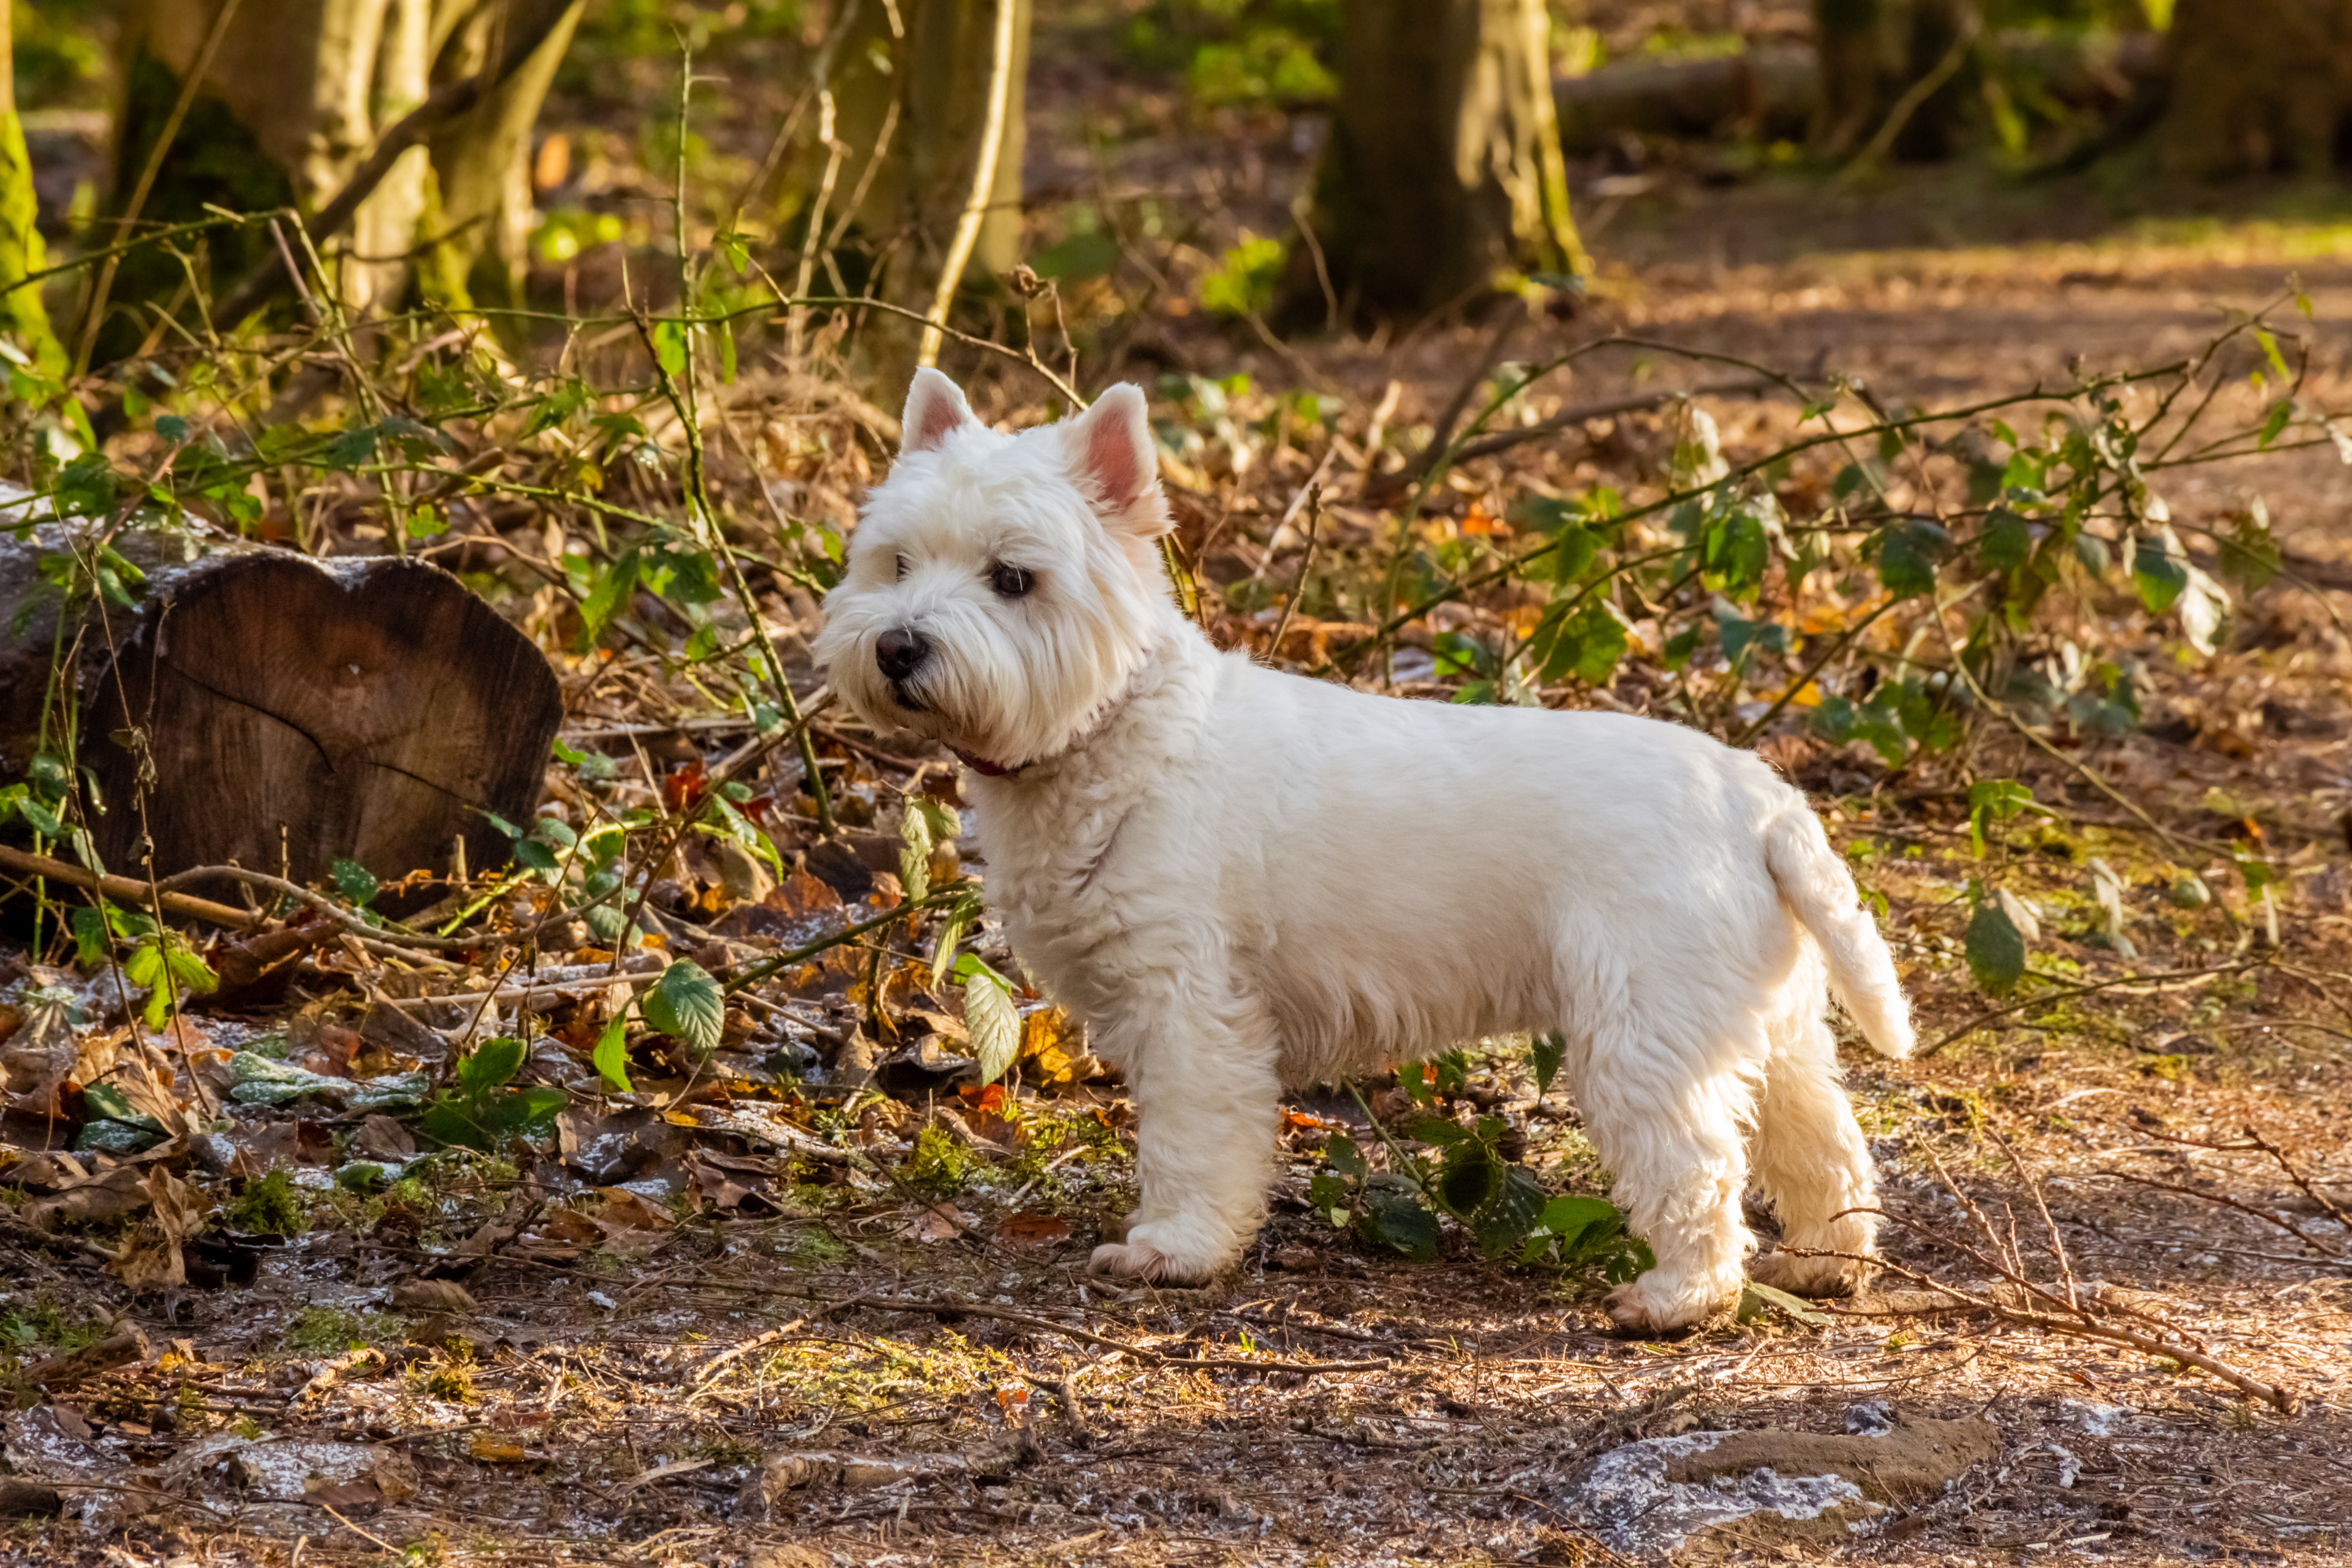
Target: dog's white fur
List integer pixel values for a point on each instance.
(1241, 879)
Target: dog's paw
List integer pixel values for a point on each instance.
(1643, 1306)
(1157, 1255)
(1801, 1276)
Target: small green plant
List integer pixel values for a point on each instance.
(449, 1377)
(1245, 281)
(328, 1329)
(270, 1206)
(1469, 1179)
(483, 1112)
(939, 1165)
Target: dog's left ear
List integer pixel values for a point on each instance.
(1115, 460)
(935, 411)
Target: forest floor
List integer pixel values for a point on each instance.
(479, 1382)
(710, 1332)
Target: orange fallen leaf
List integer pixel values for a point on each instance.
(1034, 1230)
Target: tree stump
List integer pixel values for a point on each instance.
(295, 712)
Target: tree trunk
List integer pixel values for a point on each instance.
(296, 710)
(2257, 85)
(911, 134)
(1895, 76)
(21, 315)
(1444, 169)
(481, 161)
(297, 94)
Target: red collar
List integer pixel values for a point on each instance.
(982, 764)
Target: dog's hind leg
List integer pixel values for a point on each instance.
(1810, 1159)
(1668, 1123)
(1207, 1098)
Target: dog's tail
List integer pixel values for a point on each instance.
(1816, 886)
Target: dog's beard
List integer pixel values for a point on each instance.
(982, 689)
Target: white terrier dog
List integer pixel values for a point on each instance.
(1240, 879)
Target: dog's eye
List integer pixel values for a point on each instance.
(902, 568)
(1011, 582)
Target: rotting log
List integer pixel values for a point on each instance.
(295, 712)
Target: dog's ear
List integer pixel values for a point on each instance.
(935, 411)
(1113, 457)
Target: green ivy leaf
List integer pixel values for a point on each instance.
(355, 881)
(686, 1004)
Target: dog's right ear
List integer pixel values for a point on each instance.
(935, 411)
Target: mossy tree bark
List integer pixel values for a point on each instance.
(22, 315)
(2257, 85)
(911, 83)
(297, 94)
(1882, 59)
(1443, 169)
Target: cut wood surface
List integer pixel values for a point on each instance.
(296, 710)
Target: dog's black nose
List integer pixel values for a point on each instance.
(899, 652)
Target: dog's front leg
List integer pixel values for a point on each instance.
(1207, 1098)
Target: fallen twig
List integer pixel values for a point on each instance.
(2085, 1326)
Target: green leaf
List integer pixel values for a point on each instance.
(993, 1024)
(1403, 1222)
(2007, 541)
(42, 820)
(1587, 643)
(915, 853)
(1754, 1298)
(606, 596)
(1995, 949)
(611, 1057)
(1909, 553)
(492, 1065)
(91, 937)
(1471, 1176)
(355, 881)
(1569, 1217)
(1545, 1055)
(669, 347)
(1341, 1154)
(1994, 800)
(1510, 1215)
(2160, 570)
(1439, 1132)
(2269, 341)
(686, 1004)
(2251, 555)
(957, 921)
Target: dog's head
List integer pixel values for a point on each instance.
(999, 589)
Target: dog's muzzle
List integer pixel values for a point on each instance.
(898, 653)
